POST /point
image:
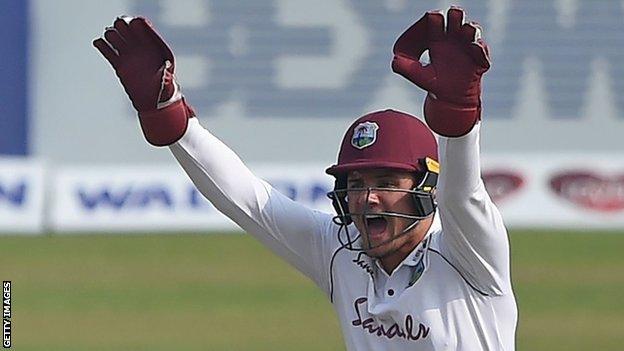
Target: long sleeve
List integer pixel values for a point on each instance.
(299, 235)
(474, 237)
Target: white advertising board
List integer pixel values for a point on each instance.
(109, 198)
(21, 196)
(549, 191)
(558, 191)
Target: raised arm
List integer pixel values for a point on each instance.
(296, 233)
(474, 238)
(145, 66)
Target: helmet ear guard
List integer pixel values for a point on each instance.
(339, 201)
(424, 193)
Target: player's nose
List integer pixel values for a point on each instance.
(372, 198)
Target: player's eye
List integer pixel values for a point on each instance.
(387, 184)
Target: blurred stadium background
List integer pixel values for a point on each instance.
(109, 247)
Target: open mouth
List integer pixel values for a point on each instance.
(376, 226)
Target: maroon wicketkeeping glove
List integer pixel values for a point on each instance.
(453, 78)
(145, 66)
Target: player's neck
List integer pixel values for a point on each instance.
(392, 260)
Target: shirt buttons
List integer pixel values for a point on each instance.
(390, 292)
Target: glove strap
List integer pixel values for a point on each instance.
(165, 126)
(448, 119)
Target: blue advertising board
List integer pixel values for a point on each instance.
(13, 70)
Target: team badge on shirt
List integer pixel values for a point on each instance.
(364, 135)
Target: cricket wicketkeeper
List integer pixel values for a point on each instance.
(417, 255)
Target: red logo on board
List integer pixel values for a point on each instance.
(590, 190)
(501, 184)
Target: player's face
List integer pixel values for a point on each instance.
(378, 232)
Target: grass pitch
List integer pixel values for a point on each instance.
(226, 292)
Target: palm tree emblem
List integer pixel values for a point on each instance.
(364, 135)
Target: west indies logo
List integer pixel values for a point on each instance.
(364, 135)
(501, 184)
(590, 190)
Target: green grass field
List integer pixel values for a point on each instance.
(225, 292)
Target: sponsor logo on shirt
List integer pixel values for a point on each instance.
(363, 263)
(407, 330)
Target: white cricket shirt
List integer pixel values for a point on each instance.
(453, 292)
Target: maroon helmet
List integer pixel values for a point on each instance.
(388, 139)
